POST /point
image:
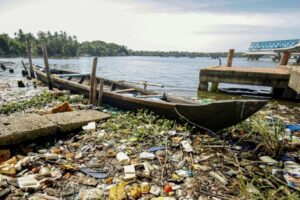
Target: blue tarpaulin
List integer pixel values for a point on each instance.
(293, 127)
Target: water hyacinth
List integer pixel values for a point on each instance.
(38, 101)
(141, 124)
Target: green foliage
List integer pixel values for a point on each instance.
(269, 135)
(38, 101)
(11, 47)
(142, 124)
(100, 48)
(259, 188)
(180, 54)
(60, 44)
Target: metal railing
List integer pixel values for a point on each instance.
(276, 44)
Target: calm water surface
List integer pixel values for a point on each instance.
(180, 76)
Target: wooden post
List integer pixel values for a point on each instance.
(45, 54)
(214, 86)
(203, 86)
(25, 68)
(95, 91)
(285, 58)
(298, 60)
(30, 58)
(230, 57)
(92, 80)
(100, 92)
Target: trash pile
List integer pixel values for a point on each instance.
(140, 156)
(143, 156)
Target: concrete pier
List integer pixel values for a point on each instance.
(273, 77)
(279, 78)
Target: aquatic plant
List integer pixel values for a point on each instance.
(267, 134)
(141, 124)
(263, 188)
(38, 101)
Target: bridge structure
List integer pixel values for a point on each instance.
(273, 49)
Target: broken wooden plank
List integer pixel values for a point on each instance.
(27, 127)
(149, 96)
(73, 75)
(125, 90)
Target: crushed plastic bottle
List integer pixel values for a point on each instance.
(184, 173)
(187, 146)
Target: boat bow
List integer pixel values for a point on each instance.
(221, 114)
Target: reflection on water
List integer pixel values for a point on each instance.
(180, 76)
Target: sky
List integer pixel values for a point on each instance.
(165, 25)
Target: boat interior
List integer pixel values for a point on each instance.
(119, 87)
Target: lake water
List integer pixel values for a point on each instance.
(180, 76)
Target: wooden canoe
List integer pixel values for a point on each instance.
(213, 116)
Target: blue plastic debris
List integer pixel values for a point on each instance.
(154, 149)
(285, 158)
(293, 127)
(292, 174)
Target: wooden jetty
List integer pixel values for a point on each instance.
(278, 78)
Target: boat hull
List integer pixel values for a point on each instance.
(214, 116)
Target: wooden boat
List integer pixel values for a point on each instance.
(213, 116)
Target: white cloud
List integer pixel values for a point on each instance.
(112, 21)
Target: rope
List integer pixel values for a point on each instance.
(242, 113)
(197, 125)
(211, 132)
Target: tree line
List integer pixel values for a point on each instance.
(60, 44)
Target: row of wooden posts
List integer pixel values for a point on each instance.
(283, 60)
(45, 55)
(93, 80)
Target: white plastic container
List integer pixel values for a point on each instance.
(147, 156)
(28, 182)
(123, 158)
(187, 146)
